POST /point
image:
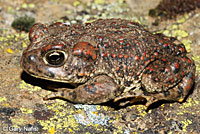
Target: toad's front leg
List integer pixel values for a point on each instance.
(98, 90)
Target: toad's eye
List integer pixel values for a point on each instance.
(55, 58)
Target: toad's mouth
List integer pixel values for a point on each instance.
(51, 77)
(32, 65)
(46, 83)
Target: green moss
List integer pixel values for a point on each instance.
(23, 23)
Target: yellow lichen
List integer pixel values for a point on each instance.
(141, 110)
(162, 106)
(183, 19)
(10, 9)
(71, 122)
(9, 50)
(98, 107)
(5, 44)
(174, 27)
(99, 1)
(96, 113)
(6, 105)
(186, 123)
(121, 1)
(24, 45)
(31, 88)
(76, 3)
(23, 35)
(51, 130)
(105, 108)
(24, 5)
(63, 118)
(26, 111)
(20, 121)
(190, 102)
(197, 59)
(119, 130)
(187, 44)
(70, 130)
(180, 113)
(179, 33)
(31, 5)
(2, 99)
(1, 38)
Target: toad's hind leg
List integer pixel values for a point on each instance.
(168, 79)
(98, 90)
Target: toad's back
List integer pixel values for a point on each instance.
(126, 48)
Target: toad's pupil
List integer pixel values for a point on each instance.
(55, 58)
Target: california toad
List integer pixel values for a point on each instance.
(110, 59)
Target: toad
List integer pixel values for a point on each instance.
(110, 60)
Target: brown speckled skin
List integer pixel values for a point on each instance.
(111, 59)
